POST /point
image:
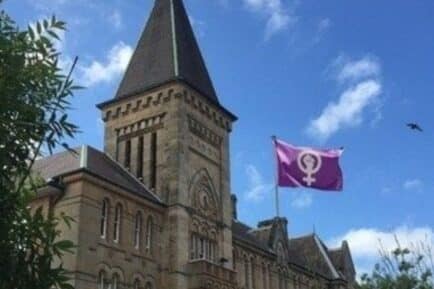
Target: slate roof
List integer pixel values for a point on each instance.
(307, 252)
(244, 233)
(95, 162)
(336, 255)
(311, 253)
(263, 234)
(167, 50)
(342, 260)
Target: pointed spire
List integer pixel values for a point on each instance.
(167, 50)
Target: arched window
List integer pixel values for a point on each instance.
(264, 276)
(103, 221)
(115, 282)
(117, 223)
(138, 230)
(281, 280)
(136, 284)
(269, 277)
(246, 273)
(201, 248)
(101, 280)
(149, 233)
(252, 272)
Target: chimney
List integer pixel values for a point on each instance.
(234, 206)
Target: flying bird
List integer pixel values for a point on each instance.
(414, 126)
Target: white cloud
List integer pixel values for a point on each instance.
(413, 184)
(347, 111)
(324, 24)
(365, 67)
(115, 64)
(366, 242)
(301, 200)
(322, 28)
(278, 17)
(258, 188)
(115, 18)
(198, 25)
(46, 5)
(363, 89)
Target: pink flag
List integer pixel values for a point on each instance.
(308, 167)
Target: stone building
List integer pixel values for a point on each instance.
(155, 209)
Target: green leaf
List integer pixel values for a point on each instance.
(53, 34)
(31, 32)
(38, 27)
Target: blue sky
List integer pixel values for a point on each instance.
(320, 73)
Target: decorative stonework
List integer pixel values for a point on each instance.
(214, 284)
(136, 104)
(208, 110)
(208, 275)
(205, 150)
(204, 198)
(140, 127)
(204, 228)
(204, 133)
(139, 103)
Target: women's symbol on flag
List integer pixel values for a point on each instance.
(308, 167)
(309, 162)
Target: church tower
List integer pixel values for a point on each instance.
(155, 210)
(166, 126)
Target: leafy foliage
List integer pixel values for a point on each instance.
(34, 94)
(402, 269)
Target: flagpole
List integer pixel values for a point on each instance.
(276, 184)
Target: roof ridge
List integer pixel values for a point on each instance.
(302, 237)
(322, 248)
(262, 228)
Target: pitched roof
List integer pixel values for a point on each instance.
(167, 50)
(95, 162)
(343, 262)
(310, 253)
(244, 233)
(306, 252)
(336, 255)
